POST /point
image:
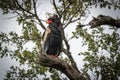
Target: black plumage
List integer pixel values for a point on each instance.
(52, 37)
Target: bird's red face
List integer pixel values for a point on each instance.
(49, 21)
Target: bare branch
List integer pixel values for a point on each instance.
(60, 65)
(71, 59)
(54, 4)
(11, 17)
(69, 21)
(23, 8)
(104, 20)
(80, 14)
(68, 53)
(71, 18)
(63, 13)
(34, 7)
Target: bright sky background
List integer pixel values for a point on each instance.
(7, 25)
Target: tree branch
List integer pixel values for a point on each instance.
(22, 9)
(70, 20)
(33, 14)
(54, 4)
(34, 7)
(63, 12)
(104, 20)
(68, 53)
(82, 13)
(60, 65)
(71, 59)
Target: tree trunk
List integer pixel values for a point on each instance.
(48, 61)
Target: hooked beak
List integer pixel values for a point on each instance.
(49, 21)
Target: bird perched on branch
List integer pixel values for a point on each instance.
(52, 37)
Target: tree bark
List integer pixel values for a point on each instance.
(56, 63)
(104, 20)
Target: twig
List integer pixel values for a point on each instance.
(56, 9)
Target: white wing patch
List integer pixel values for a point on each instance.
(47, 31)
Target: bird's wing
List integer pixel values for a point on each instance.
(45, 34)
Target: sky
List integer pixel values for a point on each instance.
(7, 25)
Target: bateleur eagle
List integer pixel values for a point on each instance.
(52, 37)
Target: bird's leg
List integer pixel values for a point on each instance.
(54, 56)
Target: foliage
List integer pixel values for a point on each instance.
(99, 43)
(102, 57)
